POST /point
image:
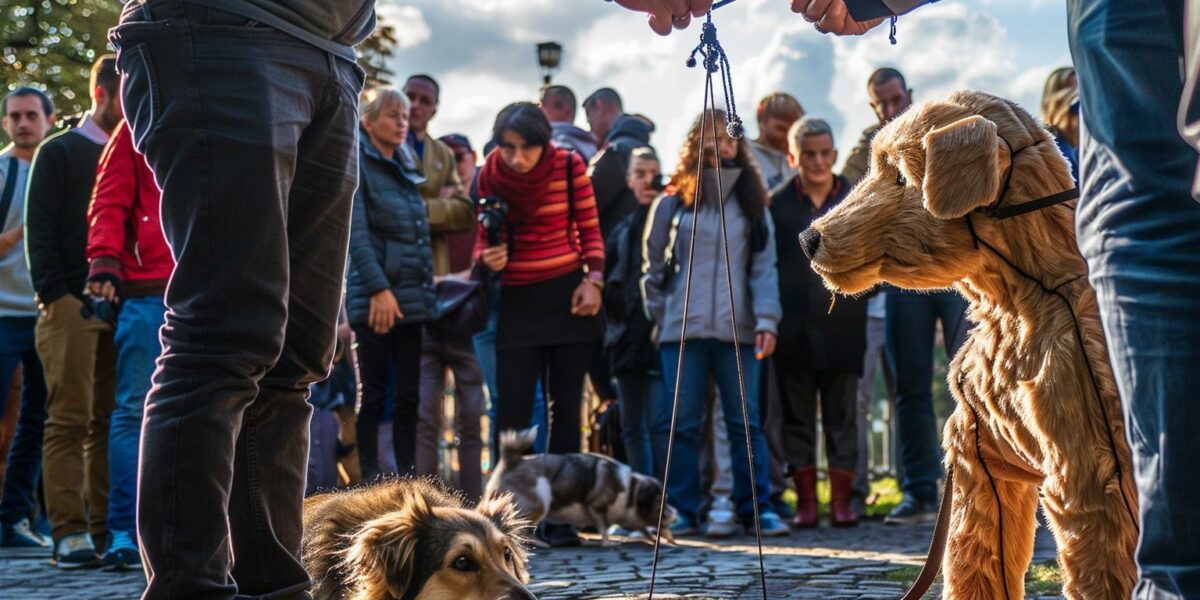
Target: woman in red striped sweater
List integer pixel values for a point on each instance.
(551, 263)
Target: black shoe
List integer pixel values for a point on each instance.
(912, 511)
(560, 536)
(783, 509)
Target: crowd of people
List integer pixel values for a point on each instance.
(584, 255)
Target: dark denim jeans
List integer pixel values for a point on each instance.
(252, 137)
(1139, 228)
(138, 348)
(25, 454)
(701, 359)
(389, 366)
(640, 393)
(910, 328)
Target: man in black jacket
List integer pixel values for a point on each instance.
(246, 112)
(821, 347)
(608, 169)
(634, 358)
(76, 348)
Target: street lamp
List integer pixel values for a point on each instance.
(549, 54)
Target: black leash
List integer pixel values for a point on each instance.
(715, 62)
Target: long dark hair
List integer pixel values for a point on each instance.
(524, 119)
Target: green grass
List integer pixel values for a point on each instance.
(1041, 580)
(886, 494)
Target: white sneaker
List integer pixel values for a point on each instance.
(722, 522)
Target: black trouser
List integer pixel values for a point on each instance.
(381, 357)
(800, 389)
(518, 371)
(251, 135)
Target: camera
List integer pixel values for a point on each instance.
(99, 309)
(492, 212)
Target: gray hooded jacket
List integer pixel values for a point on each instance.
(755, 280)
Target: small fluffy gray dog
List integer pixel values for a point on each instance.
(580, 489)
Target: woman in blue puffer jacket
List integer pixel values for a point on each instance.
(389, 286)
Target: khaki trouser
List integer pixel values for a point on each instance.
(79, 359)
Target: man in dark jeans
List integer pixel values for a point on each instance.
(910, 328)
(246, 112)
(28, 117)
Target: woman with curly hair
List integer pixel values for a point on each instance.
(711, 343)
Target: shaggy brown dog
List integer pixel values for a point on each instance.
(1038, 408)
(408, 539)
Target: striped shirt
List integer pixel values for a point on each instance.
(542, 244)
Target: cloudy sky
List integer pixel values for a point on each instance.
(482, 52)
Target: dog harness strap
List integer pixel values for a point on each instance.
(1006, 212)
(995, 211)
(937, 546)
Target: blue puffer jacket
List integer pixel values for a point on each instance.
(389, 239)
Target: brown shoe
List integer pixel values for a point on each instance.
(841, 509)
(806, 497)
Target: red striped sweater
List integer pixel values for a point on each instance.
(541, 247)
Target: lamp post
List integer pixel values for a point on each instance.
(549, 55)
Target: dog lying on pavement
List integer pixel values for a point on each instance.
(409, 539)
(580, 489)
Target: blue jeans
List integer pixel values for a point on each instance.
(702, 358)
(639, 394)
(1139, 229)
(137, 349)
(252, 135)
(909, 329)
(25, 454)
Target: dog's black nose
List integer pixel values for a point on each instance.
(810, 239)
(520, 593)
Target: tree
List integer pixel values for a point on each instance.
(51, 45)
(374, 52)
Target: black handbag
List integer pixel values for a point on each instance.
(462, 307)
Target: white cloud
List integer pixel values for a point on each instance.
(409, 23)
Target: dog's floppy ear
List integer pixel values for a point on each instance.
(962, 170)
(501, 510)
(379, 562)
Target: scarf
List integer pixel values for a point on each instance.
(522, 191)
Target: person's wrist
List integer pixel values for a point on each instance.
(596, 282)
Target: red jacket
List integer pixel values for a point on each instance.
(125, 237)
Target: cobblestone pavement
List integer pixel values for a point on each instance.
(824, 563)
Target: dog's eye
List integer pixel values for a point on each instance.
(508, 554)
(464, 563)
(900, 180)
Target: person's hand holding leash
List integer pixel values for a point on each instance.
(832, 16)
(668, 14)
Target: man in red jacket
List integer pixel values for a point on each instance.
(129, 264)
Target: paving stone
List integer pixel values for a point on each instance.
(823, 564)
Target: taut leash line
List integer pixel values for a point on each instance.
(715, 62)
